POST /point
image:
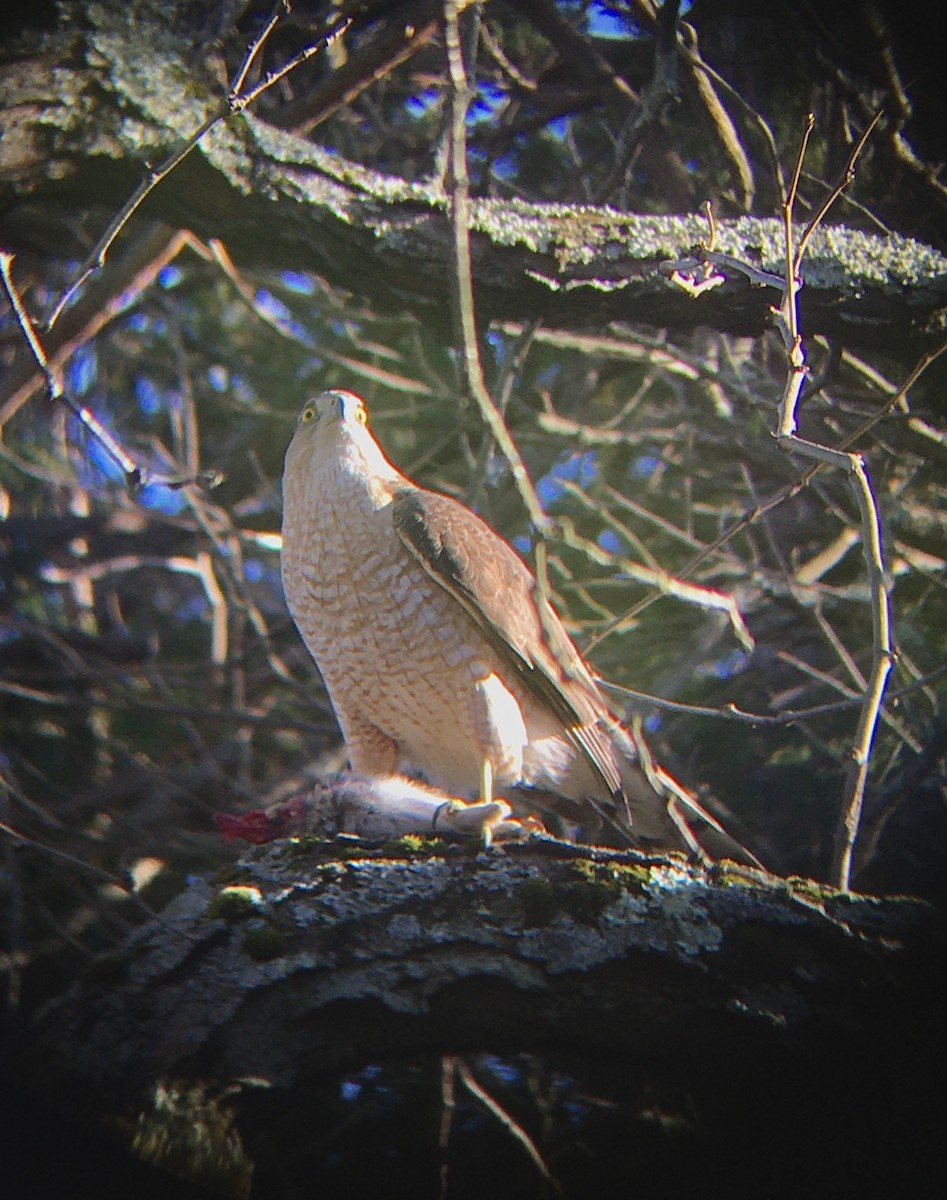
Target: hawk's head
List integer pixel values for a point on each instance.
(332, 410)
(332, 428)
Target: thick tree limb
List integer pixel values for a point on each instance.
(272, 973)
(81, 136)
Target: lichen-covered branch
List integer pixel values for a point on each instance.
(270, 972)
(83, 136)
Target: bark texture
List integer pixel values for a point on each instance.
(86, 113)
(789, 1024)
(309, 957)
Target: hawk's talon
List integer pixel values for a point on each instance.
(437, 812)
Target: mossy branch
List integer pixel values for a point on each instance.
(138, 96)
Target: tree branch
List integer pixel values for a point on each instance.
(578, 266)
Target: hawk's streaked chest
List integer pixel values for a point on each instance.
(359, 597)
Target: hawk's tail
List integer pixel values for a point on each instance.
(663, 814)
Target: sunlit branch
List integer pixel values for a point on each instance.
(462, 273)
(234, 102)
(854, 466)
(136, 476)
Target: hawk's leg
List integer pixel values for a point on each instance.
(486, 782)
(371, 751)
(501, 733)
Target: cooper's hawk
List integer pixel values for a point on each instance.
(438, 651)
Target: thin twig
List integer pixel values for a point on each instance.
(136, 476)
(881, 667)
(448, 1105)
(462, 281)
(854, 466)
(506, 1120)
(663, 581)
(254, 48)
(129, 277)
(846, 178)
(116, 881)
(789, 716)
(234, 102)
(751, 515)
(462, 273)
(52, 377)
(792, 281)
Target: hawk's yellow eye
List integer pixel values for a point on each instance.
(361, 415)
(307, 414)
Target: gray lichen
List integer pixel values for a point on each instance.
(274, 964)
(166, 98)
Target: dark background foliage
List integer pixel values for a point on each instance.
(149, 673)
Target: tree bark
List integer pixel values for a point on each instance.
(784, 1014)
(314, 956)
(84, 116)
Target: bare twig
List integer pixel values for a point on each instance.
(506, 1120)
(856, 696)
(136, 476)
(128, 278)
(507, 376)
(448, 1105)
(750, 516)
(854, 466)
(846, 178)
(116, 881)
(463, 276)
(234, 102)
(256, 46)
(788, 716)
(682, 271)
(695, 276)
(663, 581)
(52, 377)
(792, 281)
(379, 51)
